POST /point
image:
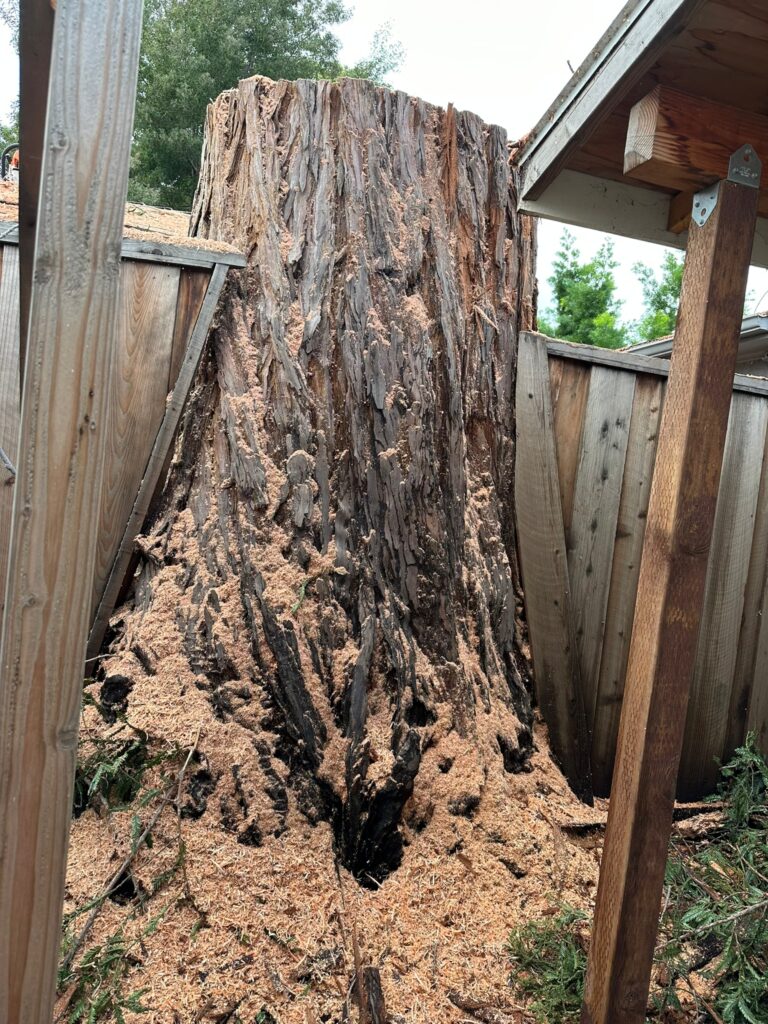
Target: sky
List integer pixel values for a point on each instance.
(506, 61)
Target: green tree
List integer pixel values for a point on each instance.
(9, 16)
(661, 295)
(585, 307)
(194, 49)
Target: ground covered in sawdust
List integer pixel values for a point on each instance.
(244, 930)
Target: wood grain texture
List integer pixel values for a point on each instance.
(625, 571)
(569, 384)
(193, 284)
(163, 440)
(138, 392)
(707, 721)
(9, 398)
(84, 176)
(186, 255)
(668, 610)
(544, 566)
(757, 712)
(628, 360)
(684, 142)
(750, 677)
(595, 514)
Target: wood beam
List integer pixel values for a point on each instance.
(36, 19)
(668, 609)
(628, 49)
(684, 143)
(84, 176)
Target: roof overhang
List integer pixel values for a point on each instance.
(572, 163)
(753, 342)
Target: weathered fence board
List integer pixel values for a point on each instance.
(755, 600)
(544, 567)
(192, 288)
(625, 570)
(138, 390)
(713, 677)
(603, 521)
(9, 398)
(569, 387)
(595, 512)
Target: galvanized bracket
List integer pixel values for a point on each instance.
(704, 203)
(744, 168)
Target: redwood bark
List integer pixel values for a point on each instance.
(337, 529)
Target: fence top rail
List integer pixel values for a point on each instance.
(635, 363)
(190, 255)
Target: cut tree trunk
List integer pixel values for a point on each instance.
(332, 560)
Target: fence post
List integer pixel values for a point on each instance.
(84, 173)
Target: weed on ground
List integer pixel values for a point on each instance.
(711, 961)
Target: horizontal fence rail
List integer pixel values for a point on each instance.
(604, 415)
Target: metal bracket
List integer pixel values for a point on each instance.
(744, 168)
(704, 203)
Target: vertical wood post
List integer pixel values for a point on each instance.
(73, 304)
(669, 603)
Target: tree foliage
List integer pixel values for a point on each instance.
(9, 16)
(194, 49)
(661, 296)
(585, 307)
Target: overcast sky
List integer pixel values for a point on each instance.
(506, 61)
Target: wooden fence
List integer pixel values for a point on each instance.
(586, 445)
(168, 294)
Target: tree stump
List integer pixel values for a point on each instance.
(332, 560)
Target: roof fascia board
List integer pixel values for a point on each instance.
(623, 55)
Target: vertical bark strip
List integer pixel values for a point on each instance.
(333, 559)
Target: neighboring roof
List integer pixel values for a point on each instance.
(572, 162)
(753, 343)
(162, 229)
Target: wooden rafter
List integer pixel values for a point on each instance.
(684, 143)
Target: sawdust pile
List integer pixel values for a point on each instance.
(142, 223)
(269, 927)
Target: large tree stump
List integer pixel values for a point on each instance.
(332, 561)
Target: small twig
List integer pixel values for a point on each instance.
(744, 912)
(116, 878)
(362, 1000)
(7, 462)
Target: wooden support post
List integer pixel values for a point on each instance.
(35, 39)
(94, 68)
(668, 610)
